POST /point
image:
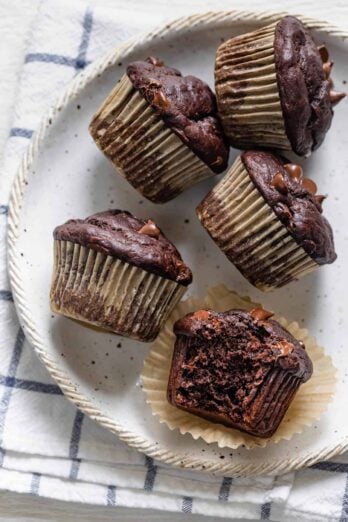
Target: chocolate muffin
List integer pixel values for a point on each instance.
(238, 368)
(274, 89)
(267, 218)
(117, 272)
(160, 130)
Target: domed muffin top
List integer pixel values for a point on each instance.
(294, 200)
(119, 234)
(306, 92)
(187, 105)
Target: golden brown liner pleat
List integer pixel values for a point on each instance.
(247, 91)
(310, 402)
(250, 234)
(143, 148)
(106, 292)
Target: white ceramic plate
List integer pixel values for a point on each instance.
(64, 175)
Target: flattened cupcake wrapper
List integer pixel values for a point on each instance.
(309, 404)
(250, 234)
(247, 91)
(143, 148)
(111, 294)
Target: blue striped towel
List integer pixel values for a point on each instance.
(47, 446)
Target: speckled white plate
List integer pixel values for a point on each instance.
(64, 175)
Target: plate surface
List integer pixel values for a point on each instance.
(64, 175)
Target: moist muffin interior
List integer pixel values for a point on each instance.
(187, 105)
(224, 364)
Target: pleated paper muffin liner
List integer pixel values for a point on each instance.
(250, 234)
(310, 402)
(108, 293)
(143, 148)
(247, 91)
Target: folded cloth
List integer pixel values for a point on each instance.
(47, 446)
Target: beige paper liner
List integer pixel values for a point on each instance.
(309, 404)
(247, 91)
(250, 234)
(108, 293)
(143, 148)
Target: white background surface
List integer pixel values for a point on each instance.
(15, 20)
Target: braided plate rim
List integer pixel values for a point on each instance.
(177, 27)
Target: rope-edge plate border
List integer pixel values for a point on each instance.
(179, 26)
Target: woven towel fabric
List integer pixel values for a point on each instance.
(48, 447)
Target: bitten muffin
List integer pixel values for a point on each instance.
(238, 368)
(160, 130)
(274, 89)
(267, 218)
(117, 272)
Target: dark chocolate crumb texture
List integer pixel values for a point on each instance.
(187, 105)
(304, 83)
(119, 234)
(238, 368)
(294, 200)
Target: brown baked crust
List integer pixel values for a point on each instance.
(187, 105)
(298, 209)
(303, 86)
(119, 234)
(236, 369)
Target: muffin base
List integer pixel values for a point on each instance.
(309, 403)
(108, 293)
(247, 91)
(143, 148)
(250, 234)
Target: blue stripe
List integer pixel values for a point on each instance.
(266, 511)
(35, 484)
(2, 456)
(4, 209)
(186, 506)
(6, 295)
(331, 466)
(57, 59)
(21, 133)
(74, 470)
(24, 384)
(150, 474)
(111, 496)
(5, 400)
(76, 435)
(86, 34)
(225, 487)
(344, 512)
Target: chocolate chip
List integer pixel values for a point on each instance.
(320, 198)
(295, 171)
(336, 96)
(327, 66)
(259, 314)
(324, 53)
(309, 185)
(155, 61)
(150, 229)
(279, 184)
(160, 100)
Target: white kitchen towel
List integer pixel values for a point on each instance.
(47, 446)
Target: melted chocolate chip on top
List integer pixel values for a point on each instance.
(187, 105)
